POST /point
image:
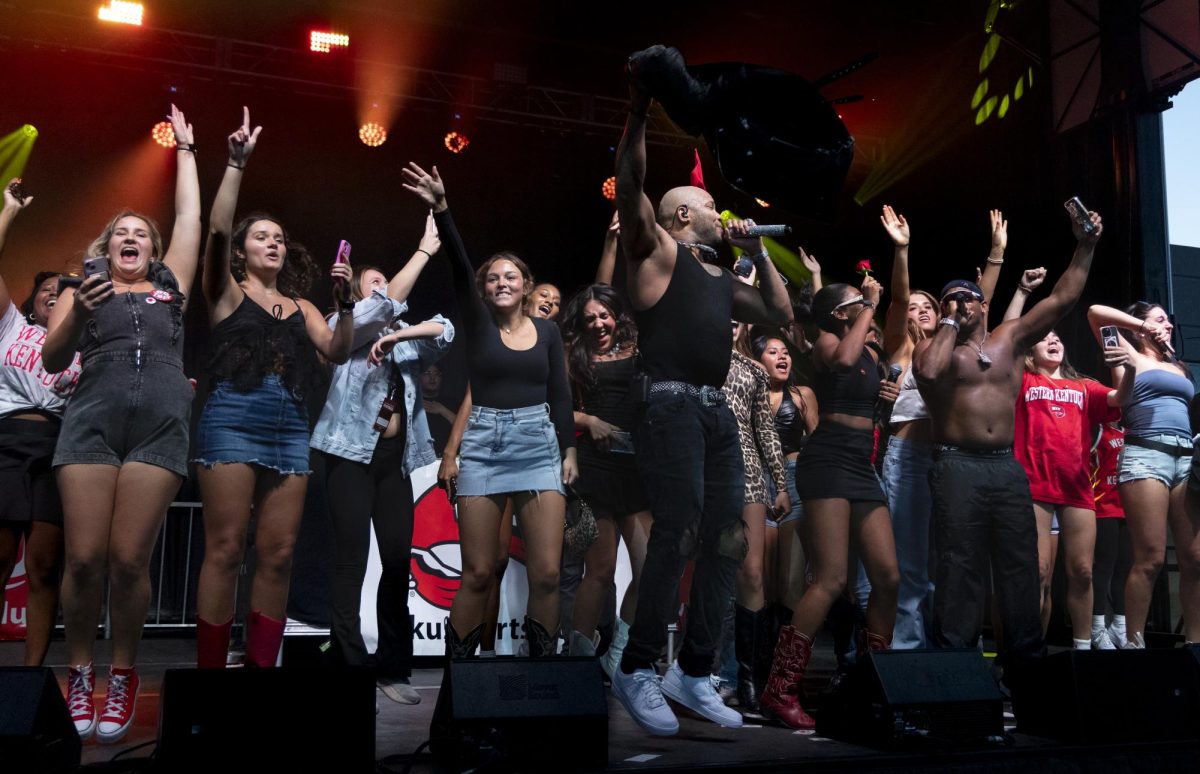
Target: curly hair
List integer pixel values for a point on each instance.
(506, 255)
(299, 270)
(575, 335)
(99, 246)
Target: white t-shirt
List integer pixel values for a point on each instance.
(24, 384)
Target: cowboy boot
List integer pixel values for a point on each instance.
(264, 636)
(541, 642)
(212, 644)
(781, 699)
(443, 741)
(750, 628)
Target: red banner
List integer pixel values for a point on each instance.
(16, 597)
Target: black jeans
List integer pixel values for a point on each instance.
(690, 459)
(361, 495)
(1114, 557)
(982, 512)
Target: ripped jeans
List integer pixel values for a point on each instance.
(691, 464)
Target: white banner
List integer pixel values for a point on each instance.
(436, 572)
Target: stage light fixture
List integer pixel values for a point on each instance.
(763, 204)
(122, 12)
(372, 134)
(30, 131)
(457, 142)
(322, 42)
(609, 189)
(163, 134)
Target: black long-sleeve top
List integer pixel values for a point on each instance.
(504, 378)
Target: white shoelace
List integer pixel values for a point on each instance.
(79, 692)
(118, 695)
(648, 687)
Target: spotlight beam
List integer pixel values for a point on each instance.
(15, 150)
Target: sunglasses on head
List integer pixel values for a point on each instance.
(850, 302)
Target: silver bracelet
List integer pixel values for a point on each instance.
(950, 321)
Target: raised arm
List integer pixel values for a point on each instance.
(766, 303)
(1030, 281)
(895, 328)
(842, 354)
(933, 356)
(1099, 316)
(995, 260)
(430, 329)
(12, 206)
(429, 188)
(402, 284)
(184, 250)
(814, 269)
(1045, 314)
(641, 236)
(220, 289)
(608, 254)
(334, 343)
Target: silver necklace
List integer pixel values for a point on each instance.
(708, 252)
(984, 360)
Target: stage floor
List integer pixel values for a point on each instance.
(699, 745)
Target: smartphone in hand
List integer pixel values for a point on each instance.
(1079, 214)
(1109, 336)
(94, 266)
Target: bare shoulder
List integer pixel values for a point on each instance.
(649, 277)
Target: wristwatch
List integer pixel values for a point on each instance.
(949, 321)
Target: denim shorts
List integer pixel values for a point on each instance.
(509, 450)
(797, 511)
(1138, 462)
(265, 426)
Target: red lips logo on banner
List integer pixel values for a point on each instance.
(436, 559)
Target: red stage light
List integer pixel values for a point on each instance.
(163, 134)
(321, 42)
(122, 12)
(609, 189)
(372, 134)
(456, 142)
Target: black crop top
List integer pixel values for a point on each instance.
(685, 336)
(502, 377)
(789, 424)
(251, 343)
(853, 391)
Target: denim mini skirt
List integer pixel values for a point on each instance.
(265, 426)
(509, 450)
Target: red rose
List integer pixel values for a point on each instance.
(863, 268)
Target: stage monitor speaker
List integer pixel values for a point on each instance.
(1112, 696)
(267, 719)
(542, 713)
(905, 697)
(36, 732)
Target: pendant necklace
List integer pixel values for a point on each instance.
(984, 360)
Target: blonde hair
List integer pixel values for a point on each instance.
(99, 246)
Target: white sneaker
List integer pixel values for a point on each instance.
(699, 695)
(641, 695)
(1102, 640)
(1135, 642)
(611, 663)
(1117, 635)
(399, 690)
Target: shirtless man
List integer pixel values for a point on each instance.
(687, 441)
(981, 504)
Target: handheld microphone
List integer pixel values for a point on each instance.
(894, 371)
(771, 231)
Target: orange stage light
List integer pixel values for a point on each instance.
(609, 189)
(456, 142)
(163, 134)
(372, 134)
(122, 12)
(322, 42)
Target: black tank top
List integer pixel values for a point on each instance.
(685, 336)
(853, 391)
(789, 424)
(252, 342)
